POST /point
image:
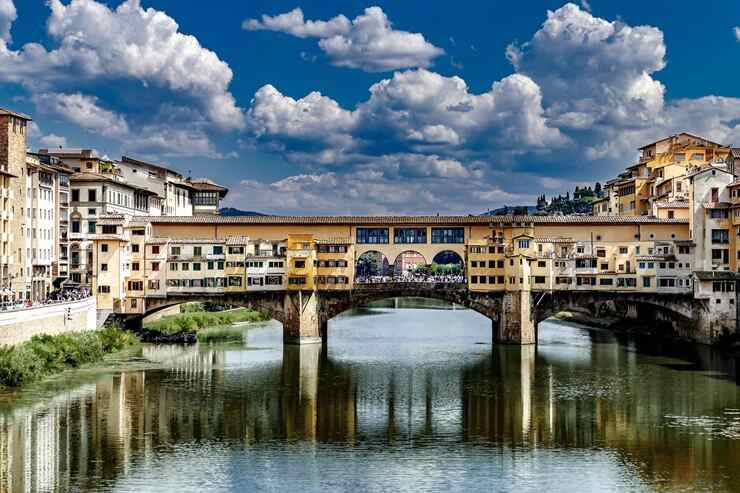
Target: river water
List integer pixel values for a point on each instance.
(406, 396)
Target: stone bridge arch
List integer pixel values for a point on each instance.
(676, 315)
(267, 303)
(334, 303)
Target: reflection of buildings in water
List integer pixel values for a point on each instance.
(512, 397)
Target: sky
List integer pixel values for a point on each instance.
(413, 107)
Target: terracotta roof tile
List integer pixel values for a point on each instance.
(391, 220)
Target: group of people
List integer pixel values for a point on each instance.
(66, 295)
(413, 278)
(58, 296)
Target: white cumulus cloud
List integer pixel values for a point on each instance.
(8, 15)
(84, 111)
(368, 42)
(96, 44)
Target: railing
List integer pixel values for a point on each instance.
(436, 279)
(9, 306)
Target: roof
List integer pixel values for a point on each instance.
(704, 170)
(72, 152)
(735, 151)
(205, 185)
(675, 204)
(334, 240)
(651, 258)
(392, 220)
(716, 205)
(676, 135)
(553, 239)
(237, 240)
(127, 159)
(93, 177)
(157, 240)
(9, 175)
(602, 199)
(716, 275)
(189, 241)
(16, 114)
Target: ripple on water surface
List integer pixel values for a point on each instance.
(399, 400)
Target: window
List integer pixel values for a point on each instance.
(718, 213)
(75, 195)
(104, 248)
(523, 243)
(297, 281)
(539, 279)
(473, 279)
(720, 255)
(155, 249)
(299, 264)
(196, 266)
(541, 263)
(715, 194)
(720, 236)
(236, 250)
(185, 266)
(218, 250)
(234, 281)
(104, 267)
(409, 235)
(606, 281)
(723, 286)
(600, 252)
(110, 229)
(136, 285)
(155, 266)
(210, 265)
(623, 250)
(371, 236)
(448, 235)
(134, 248)
(103, 289)
(153, 284)
(646, 282)
(91, 225)
(173, 266)
(92, 195)
(197, 252)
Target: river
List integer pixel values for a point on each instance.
(406, 396)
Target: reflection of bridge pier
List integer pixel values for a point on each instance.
(300, 394)
(503, 413)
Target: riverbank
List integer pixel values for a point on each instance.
(200, 326)
(46, 355)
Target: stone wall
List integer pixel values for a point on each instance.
(20, 325)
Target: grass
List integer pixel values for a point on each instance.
(198, 321)
(221, 334)
(45, 355)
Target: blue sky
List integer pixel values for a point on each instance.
(383, 107)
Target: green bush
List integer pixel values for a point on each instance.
(44, 354)
(197, 321)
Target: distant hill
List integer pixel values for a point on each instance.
(230, 211)
(509, 210)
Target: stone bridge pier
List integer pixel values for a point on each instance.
(307, 313)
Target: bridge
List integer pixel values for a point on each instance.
(514, 270)
(514, 315)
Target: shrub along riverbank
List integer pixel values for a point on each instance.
(188, 327)
(46, 355)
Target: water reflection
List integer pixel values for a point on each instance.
(401, 399)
